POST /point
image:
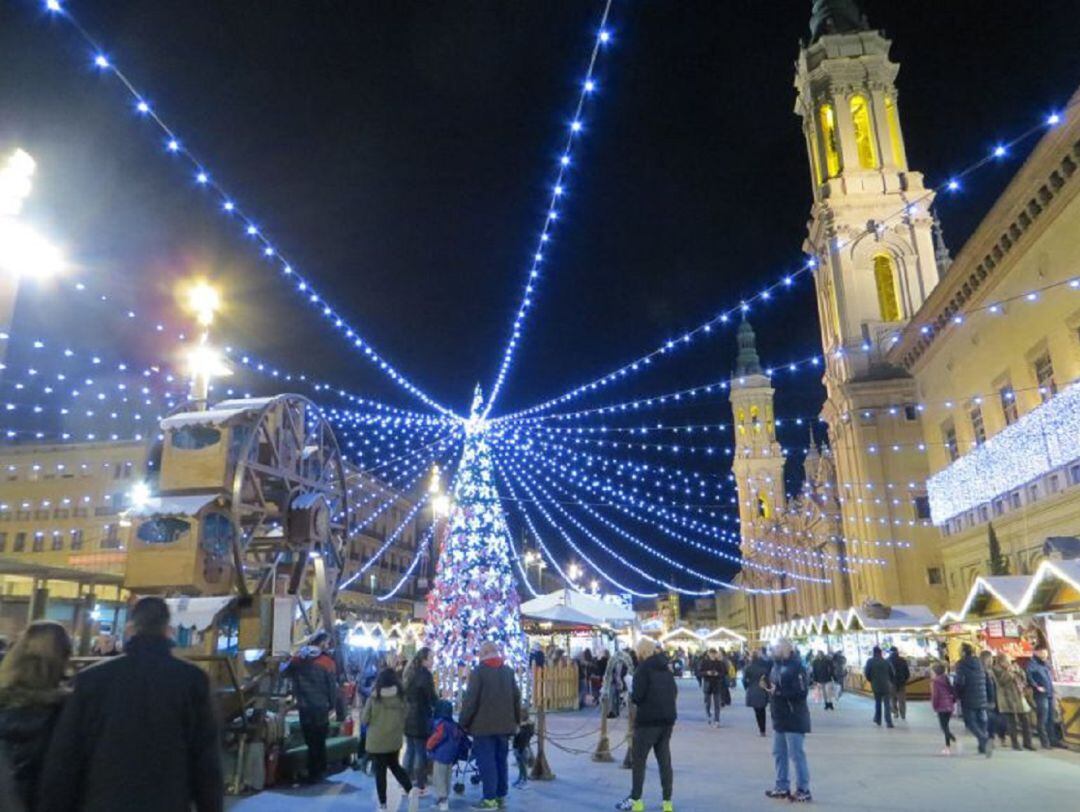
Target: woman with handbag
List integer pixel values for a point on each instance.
(1011, 702)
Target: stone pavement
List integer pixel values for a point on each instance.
(853, 766)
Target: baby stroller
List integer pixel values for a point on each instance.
(465, 768)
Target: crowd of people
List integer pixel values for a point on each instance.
(138, 731)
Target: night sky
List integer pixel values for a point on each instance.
(401, 154)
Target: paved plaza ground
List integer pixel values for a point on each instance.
(853, 765)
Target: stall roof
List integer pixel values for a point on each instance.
(1019, 594)
(596, 611)
(171, 505)
(219, 415)
(901, 617)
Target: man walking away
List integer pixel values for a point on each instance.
(1041, 680)
(879, 673)
(138, 732)
(839, 668)
(654, 693)
(822, 672)
(901, 677)
(789, 687)
(712, 672)
(314, 678)
(491, 713)
(970, 686)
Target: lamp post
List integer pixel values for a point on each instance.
(440, 511)
(23, 252)
(203, 361)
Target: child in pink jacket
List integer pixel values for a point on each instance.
(943, 700)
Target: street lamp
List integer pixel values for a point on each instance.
(574, 571)
(23, 252)
(204, 361)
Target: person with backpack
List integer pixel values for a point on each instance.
(384, 715)
(445, 747)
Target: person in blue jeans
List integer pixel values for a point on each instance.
(491, 713)
(969, 683)
(788, 690)
(1041, 680)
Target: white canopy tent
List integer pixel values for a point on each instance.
(568, 606)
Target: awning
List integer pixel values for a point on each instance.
(1054, 584)
(197, 613)
(587, 609)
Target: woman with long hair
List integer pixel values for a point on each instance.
(384, 715)
(30, 702)
(420, 698)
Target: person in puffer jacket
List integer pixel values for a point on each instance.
(970, 684)
(314, 677)
(446, 745)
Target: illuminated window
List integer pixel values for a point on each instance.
(894, 131)
(828, 140)
(885, 279)
(764, 509)
(755, 419)
(742, 421)
(57, 540)
(864, 132)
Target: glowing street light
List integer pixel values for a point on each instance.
(204, 301)
(574, 572)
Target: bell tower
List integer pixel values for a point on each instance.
(758, 463)
(871, 226)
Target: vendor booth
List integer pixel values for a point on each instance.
(911, 628)
(1015, 614)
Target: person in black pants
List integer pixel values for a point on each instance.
(879, 673)
(314, 677)
(654, 693)
(756, 682)
(712, 671)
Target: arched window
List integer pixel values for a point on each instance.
(864, 132)
(885, 279)
(764, 509)
(828, 140)
(755, 419)
(742, 421)
(893, 119)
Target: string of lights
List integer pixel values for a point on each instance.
(301, 285)
(421, 553)
(574, 130)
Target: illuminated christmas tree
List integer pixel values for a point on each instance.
(474, 597)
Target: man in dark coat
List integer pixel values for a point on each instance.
(789, 686)
(756, 682)
(822, 672)
(653, 693)
(1041, 680)
(969, 683)
(491, 713)
(137, 733)
(901, 676)
(712, 672)
(314, 677)
(879, 673)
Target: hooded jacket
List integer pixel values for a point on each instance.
(901, 669)
(942, 697)
(492, 702)
(654, 693)
(879, 673)
(314, 677)
(384, 716)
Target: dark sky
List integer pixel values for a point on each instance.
(401, 154)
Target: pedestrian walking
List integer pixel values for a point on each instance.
(384, 715)
(879, 673)
(713, 673)
(1041, 680)
(756, 684)
(314, 686)
(138, 731)
(30, 703)
(788, 690)
(491, 713)
(943, 701)
(653, 692)
(420, 699)
(1015, 709)
(839, 665)
(821, 671)
(970, 685)
(995, 721)
(901, 677)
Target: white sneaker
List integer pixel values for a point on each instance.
(946, 752)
